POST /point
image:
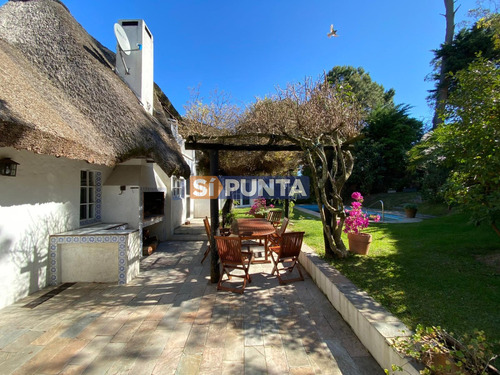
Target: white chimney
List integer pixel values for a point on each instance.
(135, 66)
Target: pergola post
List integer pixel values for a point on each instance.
(287, 208)
(214, 220)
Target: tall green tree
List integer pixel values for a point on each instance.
(368, 93)
(381, 157)
(468, 141)
(442, 85)
(455, 55)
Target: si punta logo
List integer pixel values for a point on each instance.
(252, 187)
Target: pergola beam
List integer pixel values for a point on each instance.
(245, 147)
(202, 146)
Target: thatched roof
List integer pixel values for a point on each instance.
(60, 96)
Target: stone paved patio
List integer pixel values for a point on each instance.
(172, 320)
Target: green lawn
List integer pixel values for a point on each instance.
(435, 272)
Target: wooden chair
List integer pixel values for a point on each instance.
(274, 217)
(275, 238)
(232, 258)
(287, 252)
(207, 229)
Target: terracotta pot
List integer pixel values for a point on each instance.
(359, 243)
(260, 216)
(410, 212)
(443, 364)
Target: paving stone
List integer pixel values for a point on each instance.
(255, 360)
(322, 360)
(234, 345)
(101, 326)
(39, 359)
(168, 361)
(76, 328)
(85, 356)
(195, 343)
(156, 343)
(61, 359)
(17, 360)
(276, 362)
(123, 366)
(73, 370)
(253, 333)
(189, 364)
(216, 335)
(295, 352)
(171, 319)
(180, 336)
(140, 337)
(233, 367)
(127, 330)
(22, 341)
(212, 361)
(302, 371)
(107, 357)
(344, 361)
(367, 365)
(9, 336)
(142, 366)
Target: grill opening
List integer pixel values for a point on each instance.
(154, 204)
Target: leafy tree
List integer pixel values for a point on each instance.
(430, 168)
(381, 157)
(368, 93)
(456, 55)
(321, 119)
(468, 141)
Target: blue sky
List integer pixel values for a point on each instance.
(247, 48)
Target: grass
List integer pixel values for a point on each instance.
(398, 200)
(431, 272)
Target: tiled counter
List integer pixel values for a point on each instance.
(106, 252)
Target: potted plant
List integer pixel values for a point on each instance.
(443, 354)
(260, 208)
(355, 222)
(410, 210)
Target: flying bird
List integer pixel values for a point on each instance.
(332, 32)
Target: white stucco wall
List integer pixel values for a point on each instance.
(42, 199)
(121, 206)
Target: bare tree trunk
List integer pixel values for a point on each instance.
(442, 87)
(326, 183)
(226, 209)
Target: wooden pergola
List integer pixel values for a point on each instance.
(213, 150)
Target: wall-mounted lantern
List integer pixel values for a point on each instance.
(8, 167)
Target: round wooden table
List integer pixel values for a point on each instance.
(254, 229)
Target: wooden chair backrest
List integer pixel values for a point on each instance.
(291, 243)
(207, 227)
(282, 229)
(274, 216)
(229, 249)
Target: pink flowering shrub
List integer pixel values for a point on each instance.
(259, 207)
(357, 220)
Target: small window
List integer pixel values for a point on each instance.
(87, 195)
(178, 188)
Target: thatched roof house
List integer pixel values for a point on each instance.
(60, 96)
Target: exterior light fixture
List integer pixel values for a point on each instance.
(8, 167)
